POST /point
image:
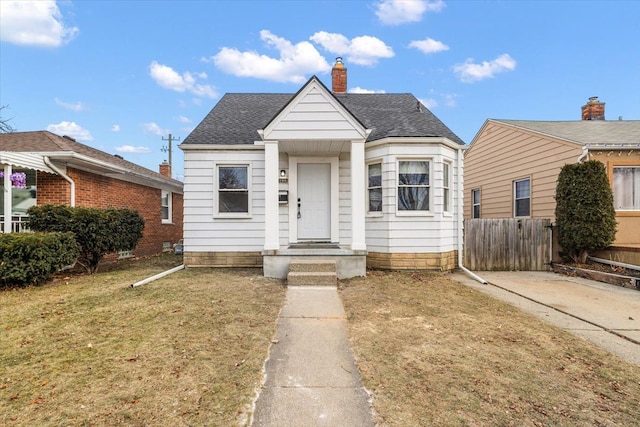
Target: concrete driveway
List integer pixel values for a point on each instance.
(607, 315)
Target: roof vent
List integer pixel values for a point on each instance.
(69, 138)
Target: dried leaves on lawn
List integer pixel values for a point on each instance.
(437, 353)
(187, 349)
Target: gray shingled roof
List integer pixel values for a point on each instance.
(238, 116)
(585, 131)
(47, 142)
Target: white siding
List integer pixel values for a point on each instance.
(203, 232)
(434, 232)
(345, 199)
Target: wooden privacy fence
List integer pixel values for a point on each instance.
(507, 244)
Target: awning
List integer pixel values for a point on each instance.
(25, 161)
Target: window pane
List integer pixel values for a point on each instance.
(414, 173)
(165, 212)
(446, 174)
(626, 188)
(233, 201)
(475, 194)
(375, 175)
(375, 200)
(232, 178)
(522, 207)
(522, 189)
(476, 211)
(413, 199)
(446, 200)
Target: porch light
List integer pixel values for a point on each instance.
(283, 173)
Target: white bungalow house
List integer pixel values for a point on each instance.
(366, 180)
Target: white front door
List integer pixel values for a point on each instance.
(314, 201)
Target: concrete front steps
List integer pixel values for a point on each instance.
(312, 273)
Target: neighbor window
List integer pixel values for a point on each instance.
(475, 203)
(446, 183)
(626, 188)
(374, 187)
(522, 197)
(413, 185)
(232, 189)
(166, 206)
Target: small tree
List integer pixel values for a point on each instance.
(585, 215)
(97, 231)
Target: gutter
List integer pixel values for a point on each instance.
(461, 223)
(47, 162)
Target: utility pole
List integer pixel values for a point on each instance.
(165, 149)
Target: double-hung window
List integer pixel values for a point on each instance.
(475, 203)
(413, 185)
(165, 203)
(232, 190)
(626, 188)
(374, 187)
(522, 198)
(446, 186)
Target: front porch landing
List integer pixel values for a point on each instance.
(349, 262)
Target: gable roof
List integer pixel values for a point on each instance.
(59, 148)
(237, 117)
(585, 132)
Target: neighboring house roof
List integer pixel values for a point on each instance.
(67, 150)
(585, 132)
(237, 117)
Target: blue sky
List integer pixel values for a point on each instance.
(121, 75)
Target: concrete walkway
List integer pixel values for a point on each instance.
(607, 315)
(311, 378)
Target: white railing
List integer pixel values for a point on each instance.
(18, 223)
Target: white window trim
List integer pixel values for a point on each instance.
(447, 200)
(217, 214)
(514, 197)
(169, 219)
(429, 161)
(380, 212)
(479, 204)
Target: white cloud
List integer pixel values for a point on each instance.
(75, 106)
(470, 72)
(429, 45)
(294, 64)
(154, 129)
(115, 128)
(183, 119)
(34, 23)
(71, 129)
(362, 50)
(168, 78)
(396, 12)
(359, 89)
(131, 149)
(429, 102)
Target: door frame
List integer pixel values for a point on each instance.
(293, 195)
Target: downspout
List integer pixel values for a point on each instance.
(461, 223)
(72, 202)
(585, 153)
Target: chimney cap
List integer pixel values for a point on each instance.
(339, 63)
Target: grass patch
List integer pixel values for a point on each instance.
(437, 353)
(187, 349)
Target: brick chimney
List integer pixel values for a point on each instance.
(339, 77)
(593, 109)
(165, 169)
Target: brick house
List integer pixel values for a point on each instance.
(60, 170)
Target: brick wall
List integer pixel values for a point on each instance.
(98, 191)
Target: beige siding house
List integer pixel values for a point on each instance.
(511, 168)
